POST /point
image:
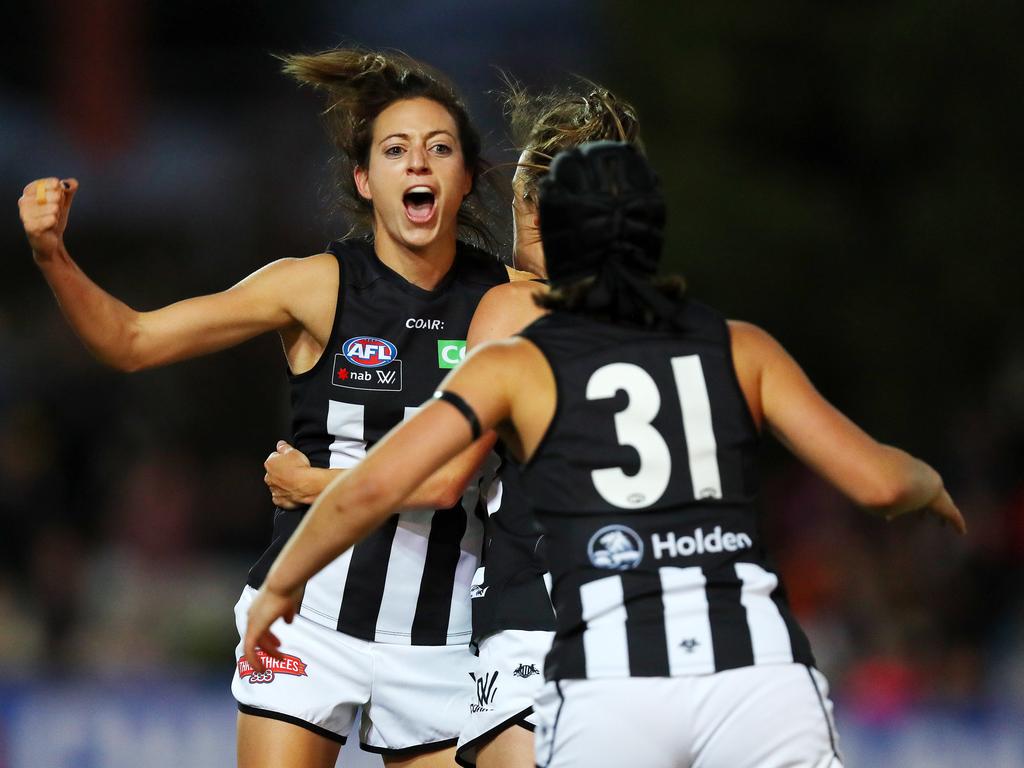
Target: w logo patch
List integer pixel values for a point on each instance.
(486, 690)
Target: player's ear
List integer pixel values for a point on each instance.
(362, 179)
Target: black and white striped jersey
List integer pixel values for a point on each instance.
(391, 344)
(512, 588)
(645, 485)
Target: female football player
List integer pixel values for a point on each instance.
(363, 327)
(635, 414)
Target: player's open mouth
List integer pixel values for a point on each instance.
(419, 204)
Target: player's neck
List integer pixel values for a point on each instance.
(425, 266)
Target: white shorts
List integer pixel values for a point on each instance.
(413, 696)
(508, 677)
(754, 717)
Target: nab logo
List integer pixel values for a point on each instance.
(385, 378)
(615, 547)
(369, 351)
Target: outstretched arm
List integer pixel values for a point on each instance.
(130, 340)
(879, 477)
(358, 501)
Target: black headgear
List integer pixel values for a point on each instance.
(602, 215)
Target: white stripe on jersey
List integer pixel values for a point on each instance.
(460, 615)
(687, 625)
(405, 567)
(345, 422)
(323, 592)
(604, 637)
(769, 635)
(701, 447)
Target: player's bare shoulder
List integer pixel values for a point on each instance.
(506, 309)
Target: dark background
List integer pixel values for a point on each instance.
(846, 175)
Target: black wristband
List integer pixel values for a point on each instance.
(463, 408)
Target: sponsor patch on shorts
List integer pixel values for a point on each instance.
(286, 665)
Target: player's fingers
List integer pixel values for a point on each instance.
(270, 644)
(69, 187)
(250, 652)
(30, 188)
(283, 446)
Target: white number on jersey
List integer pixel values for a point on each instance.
(633, 428)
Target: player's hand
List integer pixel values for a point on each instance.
(287, 469)
(44, 206)
(942, 508)
(946, 511)
(268, 607)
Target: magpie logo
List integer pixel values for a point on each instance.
(526, 670)
(476, 591)
(689, 644)
(615, 547)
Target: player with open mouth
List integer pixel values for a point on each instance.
(387, 626)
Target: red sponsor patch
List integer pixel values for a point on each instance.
(286, 665)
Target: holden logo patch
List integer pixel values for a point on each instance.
(616, 547)
(369, 351)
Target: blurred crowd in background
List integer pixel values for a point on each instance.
(846, 176)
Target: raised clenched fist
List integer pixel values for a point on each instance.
(44, 207)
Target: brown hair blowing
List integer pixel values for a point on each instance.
(359, 85)
(545, 124)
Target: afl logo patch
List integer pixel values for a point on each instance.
(369, 351)
(615, 547)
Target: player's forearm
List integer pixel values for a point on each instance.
(105, 325)
(346, 512)
(905, 483)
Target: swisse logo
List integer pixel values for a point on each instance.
(369, 351)
(424, 323)
(699, 543)
(616, 547)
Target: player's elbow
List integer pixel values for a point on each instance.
(124, 351)
(447, 497)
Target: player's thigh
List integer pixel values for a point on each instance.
(440, 758)
(266, 743)
(512, 748)
(763, 717)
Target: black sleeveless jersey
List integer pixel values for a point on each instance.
(391, 344)
(645, 485)
(511, 589)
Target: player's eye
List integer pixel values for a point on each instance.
(395, 150)
(441, 149)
